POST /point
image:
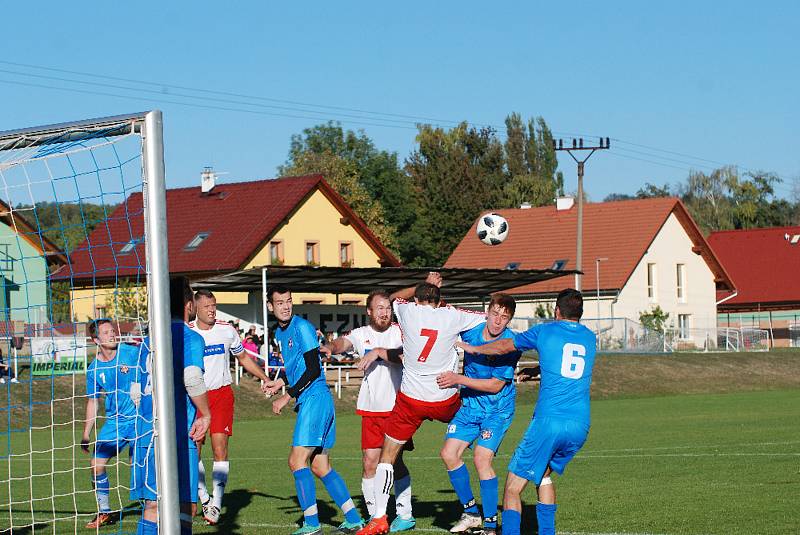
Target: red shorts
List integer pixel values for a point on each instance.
(373, 429)
(409, 413)
(221, 403)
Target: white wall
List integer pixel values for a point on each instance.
(671, 246)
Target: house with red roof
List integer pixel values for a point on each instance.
(220, 228)
(637, 254)
(765, 263)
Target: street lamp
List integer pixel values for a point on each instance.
(597, 287)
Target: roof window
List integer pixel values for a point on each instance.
(196, 241)
(558, 265)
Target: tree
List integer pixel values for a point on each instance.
(456, 174)
(376, 171)
(128, 301)
(531, 164)
(654, 320)
(706, 197)
(649, 191)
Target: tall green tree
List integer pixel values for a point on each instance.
(531, 164)
(457, 173)
(355, 158)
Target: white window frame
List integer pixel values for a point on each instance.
(684, 326)
(680, 282)
(652, 282)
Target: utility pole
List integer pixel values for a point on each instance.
(577, 145)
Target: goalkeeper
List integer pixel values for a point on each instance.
(109, 376)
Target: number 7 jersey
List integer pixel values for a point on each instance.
(566, 356)
(429, 337)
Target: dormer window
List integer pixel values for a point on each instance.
(195, 242)
(129, 247)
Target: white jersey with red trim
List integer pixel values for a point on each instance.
(429, 337)
(220, 340)
(382, 380)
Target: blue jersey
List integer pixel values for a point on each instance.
(566, 355)
(479, 366)
(295, 340)
(187, 350)
(113, 379)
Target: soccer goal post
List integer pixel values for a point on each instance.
(83, 243)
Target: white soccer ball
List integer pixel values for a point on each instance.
(492, 229)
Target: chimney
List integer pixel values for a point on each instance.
(564, 203)
(208, 179)
(525, 205)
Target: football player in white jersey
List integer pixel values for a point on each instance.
(430, 331)
(376, 399)
(221, 339)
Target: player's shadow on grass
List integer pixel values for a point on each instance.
(445, 513)
(27, 529)
(235, 501)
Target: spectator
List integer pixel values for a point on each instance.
(6, 369)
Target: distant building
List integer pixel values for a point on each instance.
(651, 253)
(221, 228)
(764, 262)
(27, 260)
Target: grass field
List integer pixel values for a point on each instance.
(700, 444)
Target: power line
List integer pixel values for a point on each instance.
(377, 118)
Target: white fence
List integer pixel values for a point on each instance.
(623, 335)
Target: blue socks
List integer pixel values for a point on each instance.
(546, 517)
(511, 522)
(459, 478)
(338, 491)
(489, 499)
(102, 489)
(145, 527)
(306, 495)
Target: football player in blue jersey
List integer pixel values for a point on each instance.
(560, 422)
(315, 428)
(108, 376)
(192, 414)
(487, 408)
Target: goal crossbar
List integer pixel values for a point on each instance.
(117, 125)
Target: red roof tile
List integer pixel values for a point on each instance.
(619, 231)
(238, 218)
(764, 265)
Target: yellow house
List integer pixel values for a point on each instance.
(217, 229)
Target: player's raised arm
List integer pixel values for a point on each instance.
(498, 347)
(406, 294)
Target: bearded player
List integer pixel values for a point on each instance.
(221, 339)
(376, 399)
(430, 331)
(487, 409)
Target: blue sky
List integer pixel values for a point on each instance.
(682, 85)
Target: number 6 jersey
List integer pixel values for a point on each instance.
(566, 356)
(429, 337)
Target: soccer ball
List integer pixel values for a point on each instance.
(492, 229)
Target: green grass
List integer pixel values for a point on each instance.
(700, 444)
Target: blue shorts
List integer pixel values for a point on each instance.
(113, 438)
(484, 429)
(143, 474)
(549, 442)
(316, 421)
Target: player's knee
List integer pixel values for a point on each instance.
(370, 465)
(483, 461)
(450, 457)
